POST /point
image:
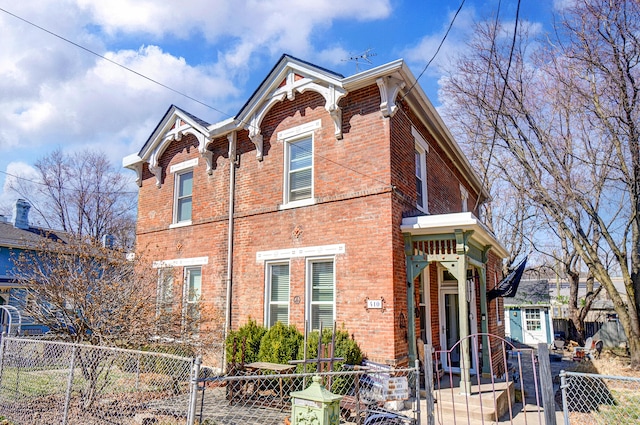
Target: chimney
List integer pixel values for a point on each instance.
(20, 217)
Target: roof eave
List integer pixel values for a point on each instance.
(449, 223)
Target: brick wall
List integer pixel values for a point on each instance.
(364, 184)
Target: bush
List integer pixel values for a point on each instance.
(243, 345)
(280, 344)
(345, 347)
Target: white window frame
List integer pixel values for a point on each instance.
(309, 288)
(464, 198)
(176, 198)
(422, 149)
(287, 172)
(533, 316)
(164, 293)
(268, 302)
(289, 137)
(186, 294)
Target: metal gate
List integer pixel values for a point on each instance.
(486, 379)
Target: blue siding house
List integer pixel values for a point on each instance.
(18, 236)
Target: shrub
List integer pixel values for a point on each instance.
(243, 345)
(280, 344)
(345, 347)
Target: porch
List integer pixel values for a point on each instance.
(461, 246)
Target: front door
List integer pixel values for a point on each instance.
(450, 325)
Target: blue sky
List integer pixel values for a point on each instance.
(54, 94)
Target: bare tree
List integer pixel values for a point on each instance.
(97, 295)
(563, 113)
(81, 194)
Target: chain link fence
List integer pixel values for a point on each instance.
(48, 382)
(52, 382)
(260, 395)
(600, 399)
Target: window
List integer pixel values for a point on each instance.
(322, 293)
(183, 193)
(532, 317)
(420, 154)
(164, 302)
(193, 293)
(464, 198)
(277, 290)
(194, 284)
(299, 170)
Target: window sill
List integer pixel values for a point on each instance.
(180, 224)
(296, 204)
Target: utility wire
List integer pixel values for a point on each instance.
(504, 90)
(155, 82)
(86, 49)
(437, 50)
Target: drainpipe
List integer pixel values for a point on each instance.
(232, 191)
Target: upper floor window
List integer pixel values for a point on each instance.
(277, 289)
(464, 197)
(298, 164)
(183, 197)
(420, 154)
(321, 285)
(299, 179)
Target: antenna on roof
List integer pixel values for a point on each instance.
(364, 56)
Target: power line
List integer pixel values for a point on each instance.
(153, 81)
(86, 49)
(504, 90)
(437, 50)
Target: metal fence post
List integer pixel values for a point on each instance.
(428, 383)
(193, 393)
(563, 388)
(417, 385)
(3, 343)
(67, 398)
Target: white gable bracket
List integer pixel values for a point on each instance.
(176, 134)
(332, 98)
(389, 88)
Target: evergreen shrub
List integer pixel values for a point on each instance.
(243, 345)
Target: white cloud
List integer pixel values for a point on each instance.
(55, 94)
(15, 173)
(423, 51)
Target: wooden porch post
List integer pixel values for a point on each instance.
(463, 317)
(484, 317)
(414, 266)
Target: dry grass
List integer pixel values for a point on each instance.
(614, 362)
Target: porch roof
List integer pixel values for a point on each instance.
(446, 224)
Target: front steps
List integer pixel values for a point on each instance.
(486, 404)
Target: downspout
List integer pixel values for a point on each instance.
(232, 191)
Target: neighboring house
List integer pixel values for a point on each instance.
(16, 237)
(326, 198)
(601, 309)
(528, 318)
(601, 321)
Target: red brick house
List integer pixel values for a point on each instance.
(325, 198)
